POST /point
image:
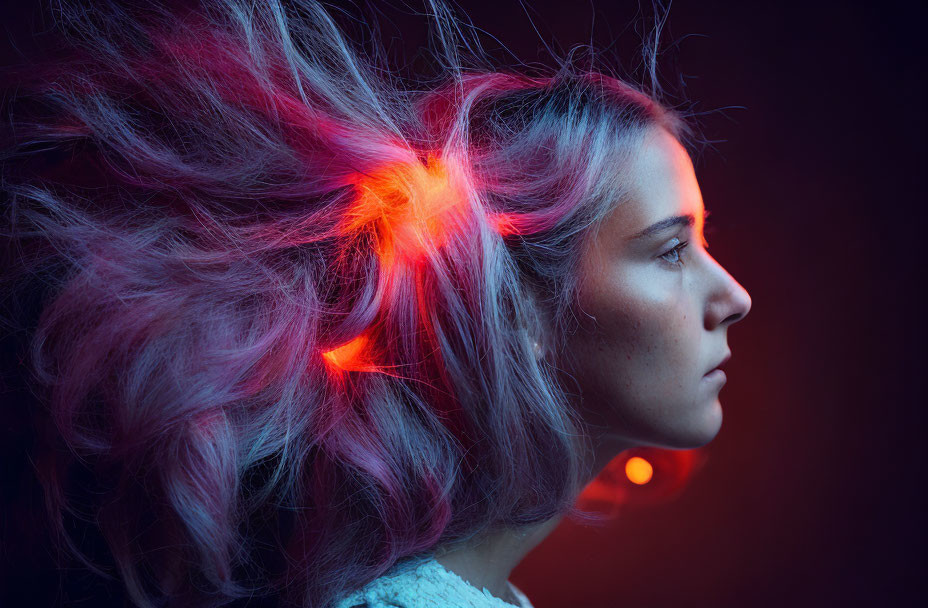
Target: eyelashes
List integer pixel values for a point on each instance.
(674, 256)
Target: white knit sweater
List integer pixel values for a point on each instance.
(424, 583)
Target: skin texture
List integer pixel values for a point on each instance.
(651, 327)
(649, 332)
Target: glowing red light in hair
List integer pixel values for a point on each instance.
(411, 205)
(351, 356)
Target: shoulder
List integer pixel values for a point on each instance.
(421, 583)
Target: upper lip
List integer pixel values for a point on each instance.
(721, 363)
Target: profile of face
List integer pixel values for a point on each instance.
(654, 312)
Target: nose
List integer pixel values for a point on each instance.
(741, 304)
(729, 302)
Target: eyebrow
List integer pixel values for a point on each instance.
(665, 224)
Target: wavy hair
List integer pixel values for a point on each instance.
(285, 286)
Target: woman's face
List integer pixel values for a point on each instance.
(653, 321)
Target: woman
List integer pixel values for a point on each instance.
(313, 328)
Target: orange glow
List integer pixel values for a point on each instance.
(503, 224)
(351, 356)
(638, 470)
(412, 206)
(641, 476)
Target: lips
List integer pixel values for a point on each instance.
(720, 363)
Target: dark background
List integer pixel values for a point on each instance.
(811, 494)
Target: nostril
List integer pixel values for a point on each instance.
(734, 318)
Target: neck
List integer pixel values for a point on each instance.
(488, 561)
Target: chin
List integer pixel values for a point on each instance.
(695, 433)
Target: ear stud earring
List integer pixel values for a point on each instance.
(537, 348)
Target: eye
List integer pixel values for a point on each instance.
(674, 256)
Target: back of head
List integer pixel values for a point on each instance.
(285, 284)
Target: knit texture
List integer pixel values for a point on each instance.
(423, 582)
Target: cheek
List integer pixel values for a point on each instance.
(640, 345)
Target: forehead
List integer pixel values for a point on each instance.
(663, 184)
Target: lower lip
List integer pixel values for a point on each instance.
(715, 375)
